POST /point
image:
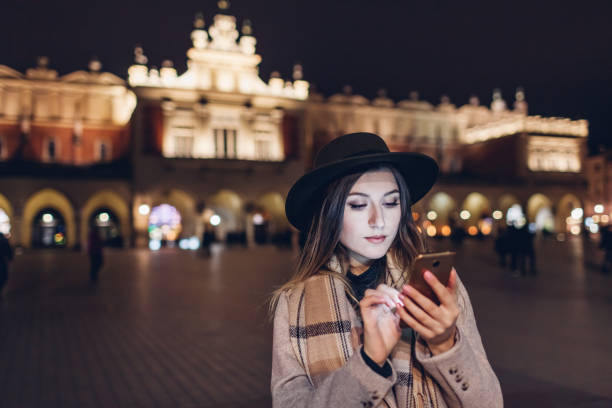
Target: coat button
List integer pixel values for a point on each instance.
(453, 370)
(458, 378)
(465, 386)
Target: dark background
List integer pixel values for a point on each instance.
(559, 51)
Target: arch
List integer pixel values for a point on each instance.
(229, 206)
(6, 206)
(112, 201)
(564, 209)
(51, 198)
(184, 204)
(506, 201)
(478, 205)
(536, 203)
(274, 205)
(444, 205)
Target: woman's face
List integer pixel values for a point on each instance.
(372, 215)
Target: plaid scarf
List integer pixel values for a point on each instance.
(325, 331)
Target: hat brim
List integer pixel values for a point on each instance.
(419, 171)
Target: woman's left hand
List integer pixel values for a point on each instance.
(435, 323)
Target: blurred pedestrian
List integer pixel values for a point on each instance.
(606, 244)
(501, 246)
(526, 250)
(6, 256)
(513, 247)
(208, 236)
(95, 250)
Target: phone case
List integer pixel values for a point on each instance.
(439, 263)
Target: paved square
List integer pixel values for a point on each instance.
(173, 329)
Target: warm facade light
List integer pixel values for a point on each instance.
(465, 215)
(598, 208)
(431, 230)
(498, 215)
(472, 230)
(577, 213)
(144, 209)
(215, 220)
(258, 219)
(47, 218)
(446, 230)
(432, 215)
(485, 229)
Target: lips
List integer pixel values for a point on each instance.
(376, 239)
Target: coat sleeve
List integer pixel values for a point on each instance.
(464, 373)
(353, 385)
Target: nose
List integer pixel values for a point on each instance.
(376, 217)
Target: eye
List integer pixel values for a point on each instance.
(355, 206)
(393, 203)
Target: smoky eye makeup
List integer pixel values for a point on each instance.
(356, 205)
(392, 201)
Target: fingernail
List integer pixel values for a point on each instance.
(427, 275)
(401, 296)
(407, 289)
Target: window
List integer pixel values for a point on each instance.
(103, 151)
(263, 144)
(226, 143)
(180, 133)
(262, 150)
(183, 146)
(51, 150)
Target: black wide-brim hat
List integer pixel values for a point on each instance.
(353, 153)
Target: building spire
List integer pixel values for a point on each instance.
(139, 57)
(198, 22)
(247, 27)
(223, 5)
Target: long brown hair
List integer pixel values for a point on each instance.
(323, 238)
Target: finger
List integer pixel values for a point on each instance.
(391, 292)
(420, 315)
(423, 301)
(375, 298)
(441, 291)
(452, 281)
(414, 324)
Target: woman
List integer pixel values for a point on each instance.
(348, 330)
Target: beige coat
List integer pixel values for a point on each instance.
(463, 373)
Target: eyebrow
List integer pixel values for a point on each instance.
(366, 195)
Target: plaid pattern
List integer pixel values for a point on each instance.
(325, 331)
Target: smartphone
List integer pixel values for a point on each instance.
(438, 263)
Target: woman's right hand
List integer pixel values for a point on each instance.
(381, 330)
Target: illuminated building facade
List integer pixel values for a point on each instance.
(598, 203)
(217, 148)
(491, 158)
(64, 155)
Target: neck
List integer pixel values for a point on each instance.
(359, 264)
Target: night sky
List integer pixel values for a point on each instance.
(559, 51)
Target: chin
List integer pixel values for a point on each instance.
(374, 253)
